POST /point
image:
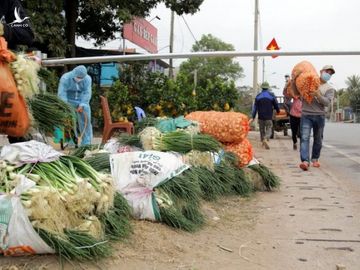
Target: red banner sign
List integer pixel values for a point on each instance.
(142, 33)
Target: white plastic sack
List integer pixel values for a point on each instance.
(21, 237)
(29, 152)
(136, 174)
(113, 146)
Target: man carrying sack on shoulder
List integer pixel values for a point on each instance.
(313, 118)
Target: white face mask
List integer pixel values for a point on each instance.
(77, 79)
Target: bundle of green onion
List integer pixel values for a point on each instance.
(73, 207)
(49, 112)
(270, 180)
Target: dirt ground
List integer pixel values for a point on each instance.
(312, 222)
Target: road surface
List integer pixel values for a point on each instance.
(342, 149)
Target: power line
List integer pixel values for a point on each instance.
(182, 16)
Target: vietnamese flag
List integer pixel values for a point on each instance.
(273, 46)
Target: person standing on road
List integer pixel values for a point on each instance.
(75, 89)
(313, 117)
(295, 117)
(264, 105)
(287, 97)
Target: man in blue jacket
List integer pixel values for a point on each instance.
(75, 89)
(264, 105)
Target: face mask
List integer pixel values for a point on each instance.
(325, 76)
(77, 79)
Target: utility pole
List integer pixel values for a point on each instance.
(263, 69)
(256, 29)
(171, 47)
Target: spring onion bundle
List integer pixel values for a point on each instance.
(117, 220)
(199, 159)
(182, 142)
(25, 75)
(81, 150)
(49, 112)
(100, 162)
(132, 140)
(270, 180)
(179, 202)
(144, 123)
(73, 208)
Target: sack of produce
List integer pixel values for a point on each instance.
(226, 127)
(136, 174)
(306, 79)
(242, 150)
(14, 118)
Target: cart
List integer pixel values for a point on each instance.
(281, 121)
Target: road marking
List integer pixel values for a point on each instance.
(355, 159)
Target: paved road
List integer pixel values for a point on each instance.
(342, 149)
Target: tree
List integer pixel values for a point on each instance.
(208, 68)
(48, 24)
(58, 22)
(215, 77)
(353, 89)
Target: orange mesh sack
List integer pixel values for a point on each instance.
(243, 151)
(306, 79)
(291, 90)
(226, 127)
(14, 118)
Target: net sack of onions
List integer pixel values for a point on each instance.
(306, 79)
(242, 150)
(226, 127)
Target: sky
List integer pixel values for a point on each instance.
(306, 25)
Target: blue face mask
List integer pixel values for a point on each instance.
(325, 76)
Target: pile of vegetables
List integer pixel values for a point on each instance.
(230, 128)
(46, 110)
(226, 127)
(179, 199)
(74, 209)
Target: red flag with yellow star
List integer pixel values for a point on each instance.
(273, 46)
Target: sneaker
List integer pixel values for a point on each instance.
(266, 145)
(294, 146)
(304, 165)
(316, 164)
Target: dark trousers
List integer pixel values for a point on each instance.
(295, 127)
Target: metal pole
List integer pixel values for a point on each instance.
(171, 47)
(124, 46)
(255, 65)
(146, 57)
(263, 70)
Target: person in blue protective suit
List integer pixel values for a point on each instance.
(140, 114)
(75, 89)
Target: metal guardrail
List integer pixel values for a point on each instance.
(142, 57)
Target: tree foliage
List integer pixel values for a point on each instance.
(58, 22)
(208, 68)
(353, 89)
